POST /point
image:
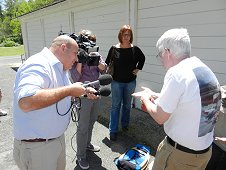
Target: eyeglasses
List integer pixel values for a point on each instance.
(126, 35)
(159, 55)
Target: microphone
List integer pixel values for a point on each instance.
(104, 79)
(104, 91)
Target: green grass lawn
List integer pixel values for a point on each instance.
(11, 51)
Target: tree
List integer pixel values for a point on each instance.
(10, 27)
(1, 14)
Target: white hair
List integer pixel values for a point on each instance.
(177, 41)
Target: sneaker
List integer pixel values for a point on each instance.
(113, 136)
(3, 112)
(93, 148)
(83, 163)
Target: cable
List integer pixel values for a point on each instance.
(64, 113)
(72, 143)
(74, 107)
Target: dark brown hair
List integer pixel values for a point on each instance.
(123, 29)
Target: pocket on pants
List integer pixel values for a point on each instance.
(162, 156)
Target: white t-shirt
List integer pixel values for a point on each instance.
(191, 93)
(41, 71)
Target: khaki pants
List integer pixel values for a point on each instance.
(170, 158)
(49, 155)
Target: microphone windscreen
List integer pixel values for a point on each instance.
(104, 91)
(105, 79)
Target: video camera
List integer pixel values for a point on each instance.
(88, 51)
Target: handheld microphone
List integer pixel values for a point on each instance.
(104, 91)
(104, 79)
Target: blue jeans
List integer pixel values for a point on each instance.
(121, 97)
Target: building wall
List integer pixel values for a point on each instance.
(204, 19)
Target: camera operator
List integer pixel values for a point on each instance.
(83, 71)
(42, 101)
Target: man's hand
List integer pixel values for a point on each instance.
(221, 139)
(77, 89)
(146, 93)
(90, 93)
(147, 98)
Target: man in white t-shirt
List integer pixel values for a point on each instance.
(187, 105)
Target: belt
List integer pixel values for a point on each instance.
(37, 140)
(184, 149)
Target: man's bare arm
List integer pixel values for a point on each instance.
(47, 97)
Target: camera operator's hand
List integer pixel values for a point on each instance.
(79, 68)
(101, 64)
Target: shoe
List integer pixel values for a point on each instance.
(93, 148)
(3, 112)
(125, 128)
(83, 163)
(113, 136)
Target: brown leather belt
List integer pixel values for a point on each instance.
(184, 149)
(37, 140)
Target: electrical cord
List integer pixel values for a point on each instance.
(75, 115)
(74, 107)
(72, 143)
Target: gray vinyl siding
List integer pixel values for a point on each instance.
(205, 21)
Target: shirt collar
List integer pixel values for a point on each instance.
(52, 58)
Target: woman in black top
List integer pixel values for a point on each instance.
(128, 60)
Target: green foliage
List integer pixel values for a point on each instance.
(37, 4)
(8, 43)
(10, 26)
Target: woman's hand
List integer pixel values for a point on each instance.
(135, 71)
